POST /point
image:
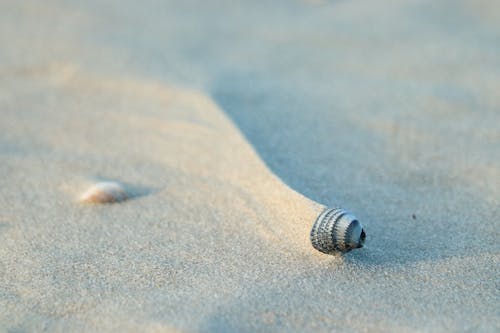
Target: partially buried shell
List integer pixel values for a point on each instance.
(104, 192)
(336, 230)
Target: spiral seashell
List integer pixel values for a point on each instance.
(336, 230)
(104, 192)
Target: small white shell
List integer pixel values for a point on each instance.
(104, 192)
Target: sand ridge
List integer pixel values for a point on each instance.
(387, 108)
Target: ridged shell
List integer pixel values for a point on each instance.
(336, 230)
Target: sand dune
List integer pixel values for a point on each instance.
(209, 199)
(221, 119)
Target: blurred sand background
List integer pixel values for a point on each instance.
(390, 109)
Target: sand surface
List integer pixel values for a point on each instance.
(220, 119)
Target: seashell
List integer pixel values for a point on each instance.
(104, 192)
(336, 230)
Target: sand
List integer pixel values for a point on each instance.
(229, 124)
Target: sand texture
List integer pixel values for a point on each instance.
(227, 123)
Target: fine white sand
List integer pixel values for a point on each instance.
(389, 109)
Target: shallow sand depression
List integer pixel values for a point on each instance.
(227, 124)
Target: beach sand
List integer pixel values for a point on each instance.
(229, 125)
